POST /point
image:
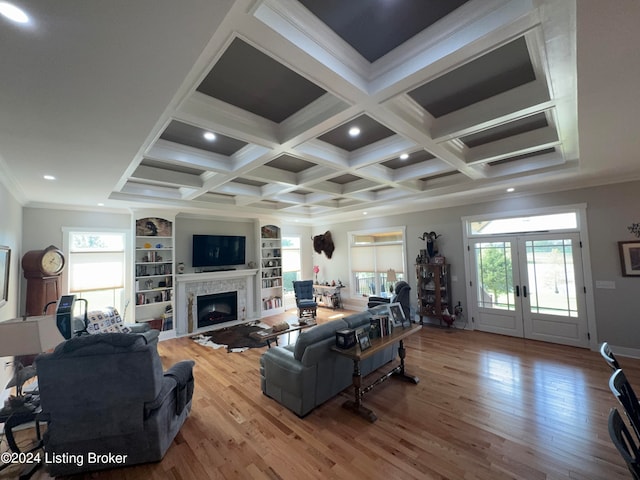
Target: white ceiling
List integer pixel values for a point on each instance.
(87, 88)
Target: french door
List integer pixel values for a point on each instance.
(530, 286)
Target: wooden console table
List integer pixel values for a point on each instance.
(328, 296)
(357, 355)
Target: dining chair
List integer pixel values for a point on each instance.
(624, 442)
(609, 357)
(625, 394)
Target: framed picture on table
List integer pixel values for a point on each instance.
(363, 340)
(396, 314)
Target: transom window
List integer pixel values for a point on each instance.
(529, 223)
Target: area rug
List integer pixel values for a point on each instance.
(234, 339)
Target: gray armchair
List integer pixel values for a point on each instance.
(401, 296)
(107, 393)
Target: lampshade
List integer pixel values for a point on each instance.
(391, 275)
(29, 336)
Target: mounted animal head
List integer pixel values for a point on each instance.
(324, 243)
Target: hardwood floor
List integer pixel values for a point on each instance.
(487, 407)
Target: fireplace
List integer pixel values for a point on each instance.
(191, 286)
(217, 308)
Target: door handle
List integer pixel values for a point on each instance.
(517, 290)
(524, 291)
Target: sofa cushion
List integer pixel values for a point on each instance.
(316, 334)
(358, 320)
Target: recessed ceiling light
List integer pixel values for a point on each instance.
(511, 189)
(354, 131)
(13, 13)
(210, 136)
(364, 213)
(101, 204)
(49, 177)
(404, 156)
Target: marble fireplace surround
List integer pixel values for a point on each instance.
(189, 286)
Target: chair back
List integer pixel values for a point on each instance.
(624, 442)
(608, 356)
(303, 290)
(625, 394)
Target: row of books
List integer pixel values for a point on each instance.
(275, 282)
(272, 302)
(381, 325)
(154, 297)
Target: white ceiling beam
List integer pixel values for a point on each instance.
(166, 177)
(518, 102)
(178, 154)
(514, 145)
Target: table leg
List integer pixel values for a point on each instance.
(400, 373)
(356, 404)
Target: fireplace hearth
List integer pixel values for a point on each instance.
(217, 308)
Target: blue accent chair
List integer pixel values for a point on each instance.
(305, 300)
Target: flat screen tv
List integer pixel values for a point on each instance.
(218, 250)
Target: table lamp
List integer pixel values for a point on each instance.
(27, 336)
(391, 278)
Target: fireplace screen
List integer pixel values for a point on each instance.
(217, 308)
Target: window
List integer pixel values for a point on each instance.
(290, 262)
(529, 223)
(376, 257)
(97, 268)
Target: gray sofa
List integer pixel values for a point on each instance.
(306, 374)
(108, 394)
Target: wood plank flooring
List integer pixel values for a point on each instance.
(487, 407)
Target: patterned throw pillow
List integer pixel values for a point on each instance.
(107, 320)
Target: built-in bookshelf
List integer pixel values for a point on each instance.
(271, 270)
(154, 272)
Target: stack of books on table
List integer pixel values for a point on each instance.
(381, 326)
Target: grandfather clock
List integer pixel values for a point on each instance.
(42, 269)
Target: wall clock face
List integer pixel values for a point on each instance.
(52, 262)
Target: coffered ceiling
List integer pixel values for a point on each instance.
(454, 101)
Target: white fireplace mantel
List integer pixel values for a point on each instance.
(215, 282)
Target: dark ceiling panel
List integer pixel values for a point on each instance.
(290, 164)
(440, 175)
(344, 179)
(496, 72)
(186, 134)
(415, 157)
(249, 79)
(370, 132)
(521, 125)
(375, 27)
(247, 181)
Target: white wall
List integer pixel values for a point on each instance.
(187, 226)
(10, 236)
